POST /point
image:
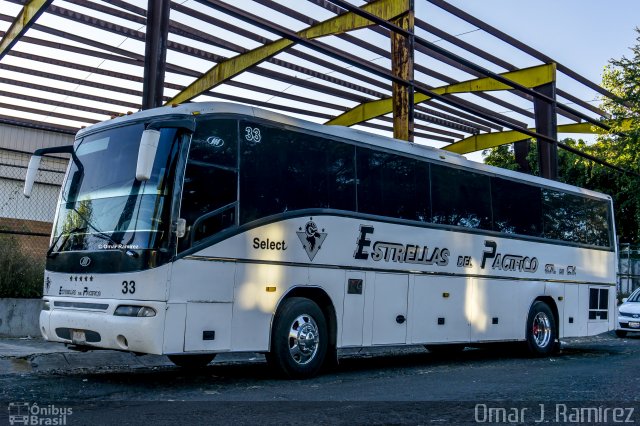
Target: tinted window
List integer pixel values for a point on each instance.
(283, 170)
(517, 207)
(576, 219)
(391, 185)
(460, 198)
(210, 180)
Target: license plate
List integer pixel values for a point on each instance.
(634, 324)
(78, 337)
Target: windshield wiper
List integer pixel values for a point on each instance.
(66, 237)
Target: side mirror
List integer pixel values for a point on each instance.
(32, 171)
(624, 300)
(147, 154)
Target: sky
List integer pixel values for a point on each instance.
(581, 34)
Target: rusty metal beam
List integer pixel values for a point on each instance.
(492, 140)
(232, 67)
(546, 124)
(456, 41)
(71, 93)
(442, 77)
(33, 124)
(530, 77)
(48, 113)
(521, 46)
(155, 52)
(470, 120)
(57, 103)
(188, 50)
(30, 12)
(402, 48)
(73, 80)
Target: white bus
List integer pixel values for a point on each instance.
(213, 227)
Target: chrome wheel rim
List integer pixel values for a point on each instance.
(303, 339)
(541, 329)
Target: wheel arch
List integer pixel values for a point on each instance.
(324, 302)
(548, 300)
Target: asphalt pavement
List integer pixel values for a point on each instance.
(23, 355)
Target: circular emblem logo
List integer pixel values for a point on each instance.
(215, 141)
(311, 228)
(85, 261)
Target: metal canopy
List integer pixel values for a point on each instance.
(327, 61)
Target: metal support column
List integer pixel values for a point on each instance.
(402, 49)
(521, 151)
(155, 52)
(547, 124)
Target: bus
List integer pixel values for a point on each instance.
(203, 228)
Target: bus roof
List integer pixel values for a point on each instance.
(419, 150)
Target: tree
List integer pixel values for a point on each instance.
(621, 147)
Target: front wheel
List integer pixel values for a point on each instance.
(541, 330)
(192, 361)
(299, 339)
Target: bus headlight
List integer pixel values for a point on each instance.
(134, 311)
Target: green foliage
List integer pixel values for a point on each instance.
(621, 147)
(21, 275)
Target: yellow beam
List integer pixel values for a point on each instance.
(529, 77)
(385, 9)
(31, 10)
(491, 140)
(484, 141)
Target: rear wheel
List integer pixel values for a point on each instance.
(192, 361)
(541, 330)
(299, 339)
(621, 333)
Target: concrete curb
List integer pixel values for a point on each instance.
(20, 317)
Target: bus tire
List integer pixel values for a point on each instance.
(192, 361)
(299, 339)
(621, 333)
(541, 330)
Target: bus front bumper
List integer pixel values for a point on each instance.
(93, 323)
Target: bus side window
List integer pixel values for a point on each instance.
(392, 185)
(460, 197)
(285, 170)
(573, 218)
(517, 207)
(210, 182)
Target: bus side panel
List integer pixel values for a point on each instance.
(334, 283)
(439, 309)
(202, 281)
(390, 309)
(255, 302)
(557, 292)
(208, 327)
(352, 324)
(499, 308)
(174, 328)
(574, 322)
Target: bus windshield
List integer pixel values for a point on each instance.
(102, 205)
